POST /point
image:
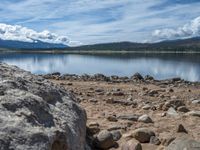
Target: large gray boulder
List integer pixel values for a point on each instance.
(184, 143)
(38, 115)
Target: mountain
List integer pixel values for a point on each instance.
(10, 44)
(191, 44)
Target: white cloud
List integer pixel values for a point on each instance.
(19, 33)
(98, 21)
(188, 30)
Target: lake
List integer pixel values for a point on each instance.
(160, 66)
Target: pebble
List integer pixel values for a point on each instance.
(143, 135)
(145, 119)
(181, 129)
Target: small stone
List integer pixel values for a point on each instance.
(172, 112)
(148, 77)
(144, 88)
(131, 145)
(93, 100)
(143, 135)
(104, 140)
(170, 90)
(163, 114)
(167, 140)
(112, 118)
(181, 129)
(155, 140)
(194, 113)
(173, 103)
(145, 119)
(129, 117)
(99, 90)
(93, 128)
(196, 102)
(118, 93)
(69, 83)
(146, 107)
(152, 92)
(137, 76)
(183, 109)
(116, 135)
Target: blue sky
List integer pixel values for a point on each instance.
(100, 21)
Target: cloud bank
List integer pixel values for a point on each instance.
(188, 30)
(19, 33)
(99, 21)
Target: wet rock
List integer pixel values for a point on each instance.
(104, 140)
(184, 143)
(181, 129)
(37, 114)
(143, 135)
(145, 119)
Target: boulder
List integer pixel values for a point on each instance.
(184, 143)
(35, 114)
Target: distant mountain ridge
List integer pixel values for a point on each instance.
(192, 44)
(10, 44)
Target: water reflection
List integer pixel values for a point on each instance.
(161, 66)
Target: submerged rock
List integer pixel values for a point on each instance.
(36, 114)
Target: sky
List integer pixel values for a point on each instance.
(81, 22)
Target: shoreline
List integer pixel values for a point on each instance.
(121, 106)
(137, 77)
(97, 52)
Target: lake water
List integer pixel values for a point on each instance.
(160, 66)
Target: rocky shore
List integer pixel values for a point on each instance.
(137, 113)
(71, 112)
